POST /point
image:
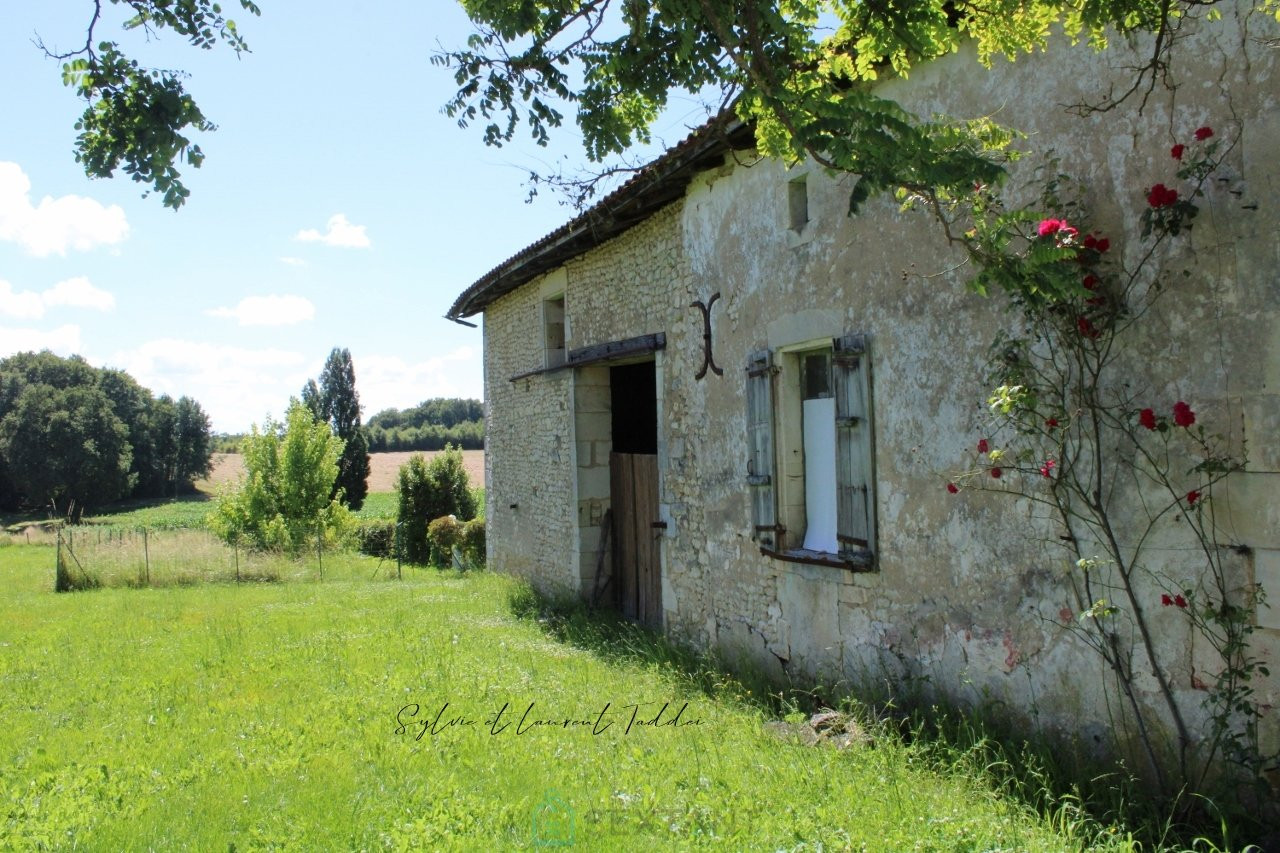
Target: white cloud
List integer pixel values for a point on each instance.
(386, 382)
(237, 386)
(73, 293)
(340, 233)
(55, 224)
(293, 262)
(64, 340)
(269, 311)
(23, 304)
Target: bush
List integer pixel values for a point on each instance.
(429, 491)
(471, 542)
(442, 534)
(377, 538)
(283, 502)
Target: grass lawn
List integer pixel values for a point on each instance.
(282, 716)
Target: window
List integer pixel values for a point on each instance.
(798, 203)
(553, 331)
(809, 467)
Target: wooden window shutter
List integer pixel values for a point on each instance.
(855, 475)
(760, 457)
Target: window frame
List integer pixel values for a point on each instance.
(776, 459)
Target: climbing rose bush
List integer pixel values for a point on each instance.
(1064, 418)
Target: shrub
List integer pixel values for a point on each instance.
(428, 491)
(376, 537)
(472, 542)
(283, 501)
(442, 534)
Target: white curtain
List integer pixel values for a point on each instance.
(820, 474)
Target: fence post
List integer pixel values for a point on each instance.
(235, 546)
(57, 566)
(396, 544)
(146, 555)
(320, 551)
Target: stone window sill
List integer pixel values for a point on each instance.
(861, 562)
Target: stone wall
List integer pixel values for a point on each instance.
(967, 597)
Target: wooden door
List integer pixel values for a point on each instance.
(636, 568)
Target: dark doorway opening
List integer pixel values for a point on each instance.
(633, 391)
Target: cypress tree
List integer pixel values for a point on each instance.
(339, 406)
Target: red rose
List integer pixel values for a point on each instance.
(1166, 600)
(983, 447)
(1050, 422)
(1090, 282)
(1192, 497)
(1086, 328)
(1090, 241)
(1182, 414)
(1162, 196)
(1176, 151)
(1180, 601)
(1147, 417)
(1203, 133)
(996, 473)
(1047, 468)
(951, 487)
(1103, 245)
(1050, 226)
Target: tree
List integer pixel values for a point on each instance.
(807, 85)
(136, 117)
(429, 491)
(284, 499)
(334, 401)
(193, 453)
(167, 445)
(66, 448)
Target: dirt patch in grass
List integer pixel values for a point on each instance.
(382, 474)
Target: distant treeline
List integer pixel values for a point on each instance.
(428, 426)
(74, 436)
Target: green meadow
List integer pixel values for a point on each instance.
(365, 713)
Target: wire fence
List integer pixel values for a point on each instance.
(92, 557)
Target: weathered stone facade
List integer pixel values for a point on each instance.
(965, 595)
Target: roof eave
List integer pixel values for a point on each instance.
(655, 186)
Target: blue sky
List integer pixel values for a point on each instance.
(337, 207)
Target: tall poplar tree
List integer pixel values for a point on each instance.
(334, 401)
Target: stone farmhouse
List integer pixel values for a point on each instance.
(722, 404)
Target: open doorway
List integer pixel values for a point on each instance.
(633, 491)
(616, 416)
